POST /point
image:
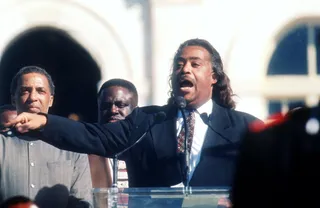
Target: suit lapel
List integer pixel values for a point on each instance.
(222, 128)
(214, 145)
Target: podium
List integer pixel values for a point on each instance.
(195, 197)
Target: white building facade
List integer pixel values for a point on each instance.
(136, 40)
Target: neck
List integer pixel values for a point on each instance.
(195, 106)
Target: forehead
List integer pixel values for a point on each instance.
(35, 79)
(194, 52)
(115, 92)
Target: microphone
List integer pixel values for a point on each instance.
(312, 125)
(158, 118)
(181, 103)
(207, 121)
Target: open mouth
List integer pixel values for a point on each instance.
(185, 84)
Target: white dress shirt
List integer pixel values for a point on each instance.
(200, 130)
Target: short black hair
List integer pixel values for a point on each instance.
(7, 107)
(15, 200)
(28, 70)
(121, 83)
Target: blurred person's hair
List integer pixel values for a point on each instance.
(221, 92)
(58, 196)
(22, 201)
(121, 83)
(277, 164)
(28, 70)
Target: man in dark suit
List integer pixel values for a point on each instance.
(278, 162)
(198, 77)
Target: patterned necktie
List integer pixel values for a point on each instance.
(181, 137)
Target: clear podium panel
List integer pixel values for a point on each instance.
(161, 197)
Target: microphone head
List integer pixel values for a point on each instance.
(180, 102)
(205, 118)
(159, 117)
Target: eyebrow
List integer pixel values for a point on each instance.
(109, 99)
(28, 87)
(189, 58)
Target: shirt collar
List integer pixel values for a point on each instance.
(206, 108)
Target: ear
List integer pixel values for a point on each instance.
(51, 100)
(214, 79)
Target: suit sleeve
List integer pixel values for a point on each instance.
(104, 140)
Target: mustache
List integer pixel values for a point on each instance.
(182, 77)
(112, 117)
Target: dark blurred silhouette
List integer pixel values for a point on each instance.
(58, 196)
(277, 165)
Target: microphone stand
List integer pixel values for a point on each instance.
(180, 102)
(186, 168)
(115, 171)
(113, 199)
(158, 118)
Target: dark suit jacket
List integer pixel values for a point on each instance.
(154, 162)
(278, 164)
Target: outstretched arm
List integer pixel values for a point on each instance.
(104, 140)
(25, 122)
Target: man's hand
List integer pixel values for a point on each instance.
(25, 122)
